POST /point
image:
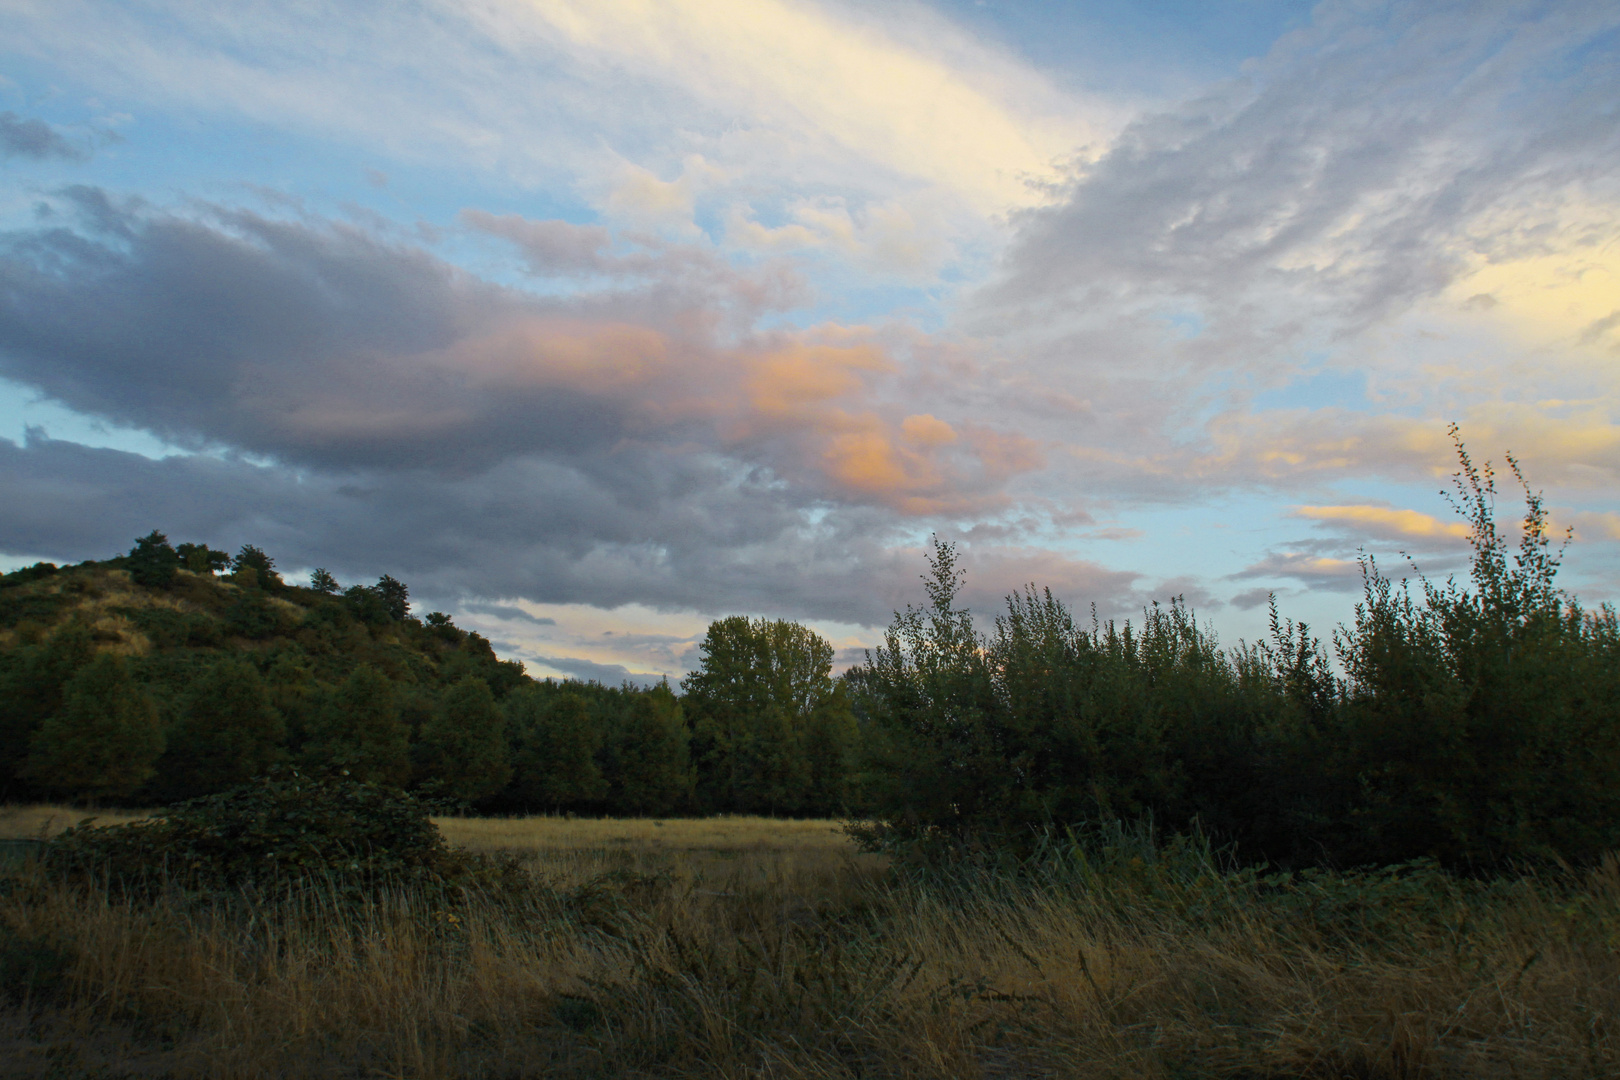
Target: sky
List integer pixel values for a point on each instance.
(596, 320)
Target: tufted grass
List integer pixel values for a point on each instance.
(784, 955)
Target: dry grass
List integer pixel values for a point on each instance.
(733, 834)
(37, 821)
(627, 959)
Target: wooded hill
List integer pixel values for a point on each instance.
(170, 672)
(1476, 723)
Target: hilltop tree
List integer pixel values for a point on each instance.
(323, 582)
(202, 559)
(253, 565)
(104, 741)
(395, 597)
(152, 562)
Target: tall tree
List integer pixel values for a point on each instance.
(556, 743)
(152, 562)
(104, 741)
(652, 773)
(227, 732)
(760, 690)
(254, 566)
(31, 687)
(358, 728)
(395, 596)
(463, 743)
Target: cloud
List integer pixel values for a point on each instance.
(29, 138)
(508, 611)
(949, 112)
(1386, 523)
(590, 671)
(1316, 571)
(1318, 213)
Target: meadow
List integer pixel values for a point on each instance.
(746, 947)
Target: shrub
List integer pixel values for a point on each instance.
(272, 833)
(1478, 726)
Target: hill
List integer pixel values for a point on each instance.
(173, 672)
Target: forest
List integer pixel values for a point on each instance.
(1474, 722)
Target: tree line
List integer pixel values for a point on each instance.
(1476, 723)
(177, 671)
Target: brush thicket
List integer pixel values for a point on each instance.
(1115, 957)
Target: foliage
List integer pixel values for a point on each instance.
(366, 605)
(276, 831)
(1479, 727)
(152, 562)
(322, 581)
(1483, 723)
(27, 573)
(768, 723)
(650, 772)
(395, 597)
(556, 742)
(104, 740)
(251, 615)
(202, 559)
(358, 729)
(31, 686)
(227, 732)
(253, 565)
(462, 745)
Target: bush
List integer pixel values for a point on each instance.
(1478, 727)
(275, 832)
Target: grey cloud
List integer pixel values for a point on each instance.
(1334, 170)
(564, 249)
(506, 611)
(1249, 599)
(1316, 571)
(691, 539)
(1348, 175)
(30, 138)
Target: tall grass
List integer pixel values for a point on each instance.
(1116, 957)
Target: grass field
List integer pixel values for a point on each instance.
(748, 948)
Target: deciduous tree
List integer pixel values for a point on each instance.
(105, 739)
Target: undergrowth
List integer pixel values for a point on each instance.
(1113, 954)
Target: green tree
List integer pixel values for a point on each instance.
(226, 734)
(396, 598)
(762, 694)
(202, 559)
(367, 605)
(32, 680)
(104, 741)
(254, 565)
(358, 728)
(1484, 721)
(152, 562)
(555, 749)
(251, 615)
(463, 745)
(652, 773)
(323, 582)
